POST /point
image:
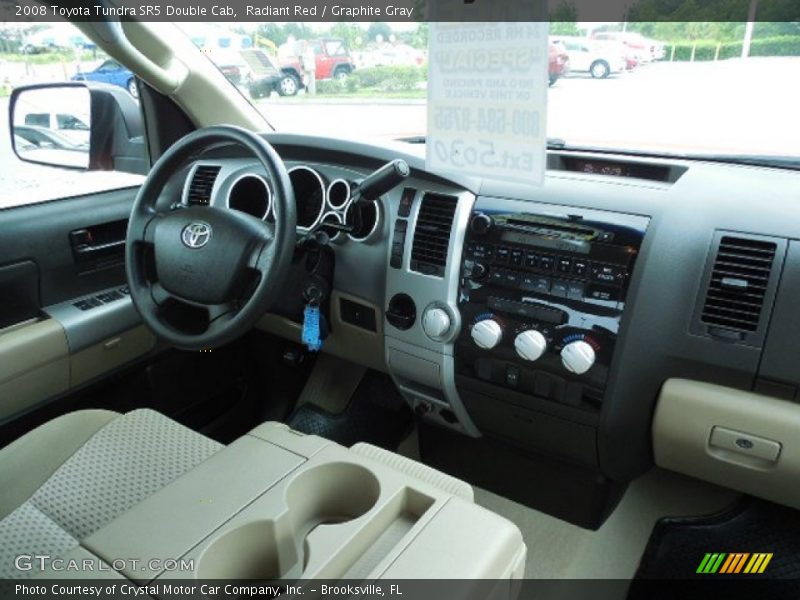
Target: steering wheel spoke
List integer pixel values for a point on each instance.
(221, 312)
(149, 233)
(160, 295)
(260, 257)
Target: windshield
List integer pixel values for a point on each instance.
(717, 88)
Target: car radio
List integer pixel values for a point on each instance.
(541, 298)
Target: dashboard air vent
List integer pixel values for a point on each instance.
(199, 192)
(432, 234)
(739, 283)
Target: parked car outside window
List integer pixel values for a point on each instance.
(113, 73)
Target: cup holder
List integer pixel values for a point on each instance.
(330, 493)
(251, 551)
(276, 546)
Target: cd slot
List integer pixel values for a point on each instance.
(533, 226)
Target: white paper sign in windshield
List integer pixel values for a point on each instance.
(487, 100)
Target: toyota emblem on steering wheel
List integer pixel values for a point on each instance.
(196, 235)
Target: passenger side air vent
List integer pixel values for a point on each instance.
(199, 192)
(739, 283)
(432, 234)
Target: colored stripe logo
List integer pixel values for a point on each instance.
(733, 563)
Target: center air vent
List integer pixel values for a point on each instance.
(199, 192)
(432, 234)
(739, 284)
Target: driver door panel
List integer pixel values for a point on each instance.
(49, 346)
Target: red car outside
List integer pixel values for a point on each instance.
(638, 49)
(558, 62)
(332, 60)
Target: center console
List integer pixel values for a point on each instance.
(276, 504)
(542, 294)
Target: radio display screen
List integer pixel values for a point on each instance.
(527, 239)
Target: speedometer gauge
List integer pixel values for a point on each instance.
(309, 193)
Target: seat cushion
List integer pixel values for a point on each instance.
(31, 459)
(124, 462)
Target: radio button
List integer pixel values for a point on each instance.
(549, 386)
(505, 278)
(511, 279)
(501, 254)
(546, 263)
(564, 265)
(512, 376)
(601, 292)
(559, 289)
(579, 267)
(606, 236)
(481, 251)
(534, 283)
(607, 273)
(516, 257)
(575, 291)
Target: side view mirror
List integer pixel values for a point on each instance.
(77, 125)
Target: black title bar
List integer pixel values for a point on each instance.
(401, 10)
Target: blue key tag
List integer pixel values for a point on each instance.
(311, 337)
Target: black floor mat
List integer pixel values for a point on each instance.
(678, 546)
(376, 414)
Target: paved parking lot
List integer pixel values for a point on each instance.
(726, 107)
(732, 106)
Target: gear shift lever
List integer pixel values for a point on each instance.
(381, 181)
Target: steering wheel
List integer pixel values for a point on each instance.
(226, 262)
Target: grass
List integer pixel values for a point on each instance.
(368, 93)
(47, 58)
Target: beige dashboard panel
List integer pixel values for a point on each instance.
(34, 365)
(346, 341)
(110, 354)
(741, 440)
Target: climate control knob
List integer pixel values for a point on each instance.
(436, 323)
(530, 345)
(487, 334)
(578, 357)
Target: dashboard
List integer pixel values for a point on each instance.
(545, 317)
(322, 195)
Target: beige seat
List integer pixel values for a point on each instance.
(71, 476)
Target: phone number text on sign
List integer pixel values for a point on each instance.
(487, 95)
(520, 122)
